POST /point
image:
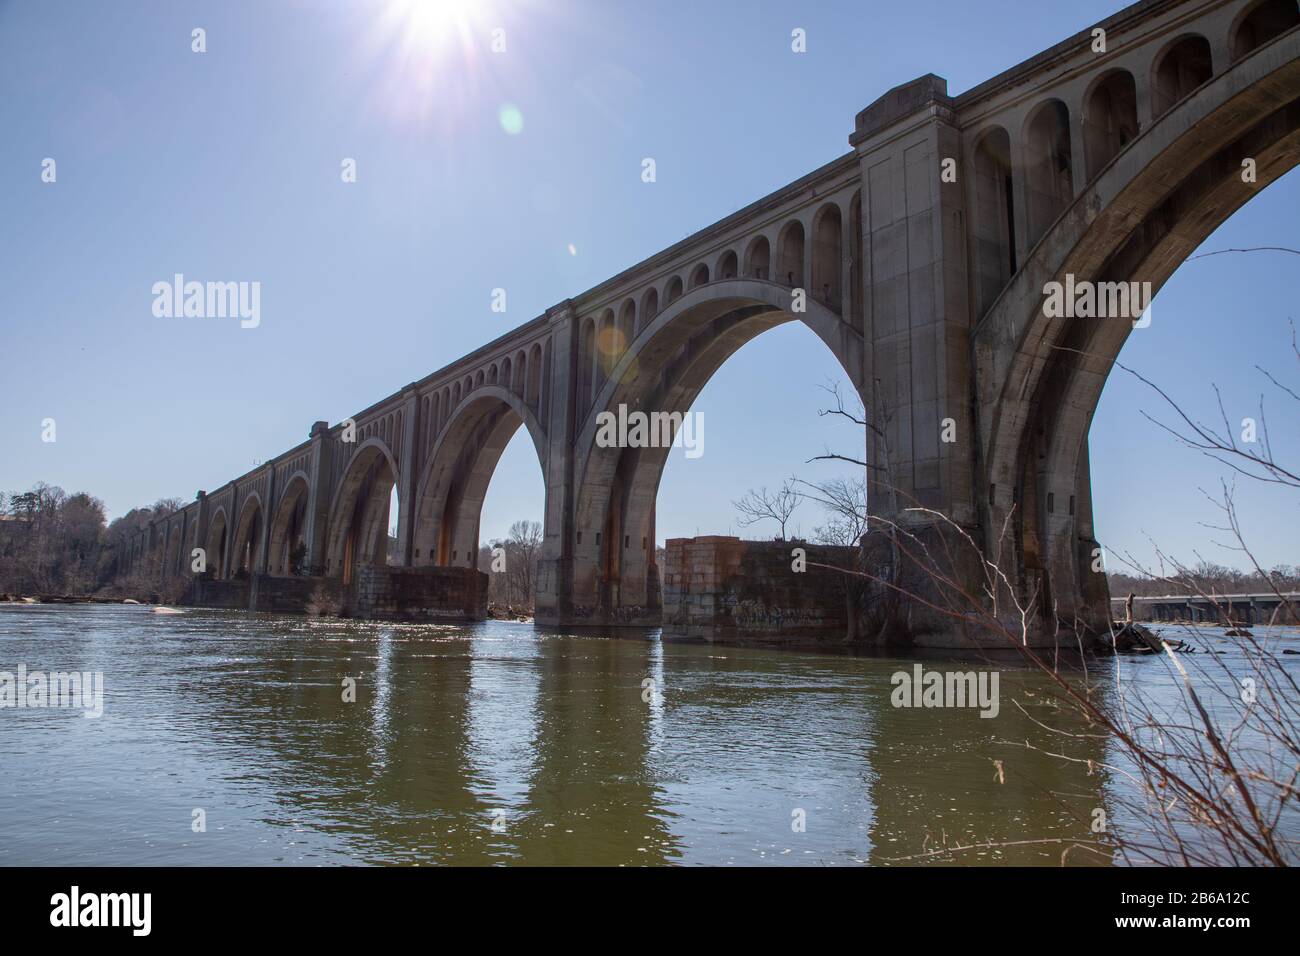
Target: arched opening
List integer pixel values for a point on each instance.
(248, 539)
(827, 277)
(626, 325)
(699, 276)
(649, 307)
(1263, 22)
(510, 528)
(1048, 177)
(674, 290)
(1135, 226)
(789, 259)
(454, 484)
(287, 548)
(214, 546)
(994, 222)
(608, 348)
(1133, 516)
(1109, 119)
(615, 575)
(727, 267)
(1183, 67)
(758, 258)
(359, 518)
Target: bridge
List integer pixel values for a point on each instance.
(1216, 609)
(920, 258)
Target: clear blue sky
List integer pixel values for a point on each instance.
(225, 165)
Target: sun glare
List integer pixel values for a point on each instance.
(430, 57)
(428, 23)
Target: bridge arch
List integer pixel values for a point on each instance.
(358, 522)
(248, 536)
(214, 545)
(288, 527)
(454, 479)
(1041, 377)
(668, 365)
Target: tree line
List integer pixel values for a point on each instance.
(1206, 577)
(53, 542)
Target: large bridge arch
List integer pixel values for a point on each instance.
(214, 544)
(1040, 377)
(455, 476)
(244, 557)
(288, 526)
(665, 369)
(358, 515)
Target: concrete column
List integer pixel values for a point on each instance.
(848, 295)
(555, 565)
(268, 511)
(1078, 156)
(318, 499)
(921, 315)
(200, 527)
(1020, 199)
(232, 524)
(183, 558)
(410, 471)
(1142, 90)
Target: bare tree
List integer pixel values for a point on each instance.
(523, 545)
(761, 505)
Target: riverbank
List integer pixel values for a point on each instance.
(66, 599)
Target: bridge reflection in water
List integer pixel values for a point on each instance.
(550, 737)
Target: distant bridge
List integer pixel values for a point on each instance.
(920, 258)
(1263, 608)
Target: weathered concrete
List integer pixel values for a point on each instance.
(420, 594)
(721, 588)
(920, 258)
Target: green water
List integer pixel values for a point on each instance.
(497, 743)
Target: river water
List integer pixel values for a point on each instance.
(499, 743)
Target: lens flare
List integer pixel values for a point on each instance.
(512, 121)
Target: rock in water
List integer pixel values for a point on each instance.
(167, 610)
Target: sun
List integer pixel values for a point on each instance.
(422, 24)
(427, 58)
